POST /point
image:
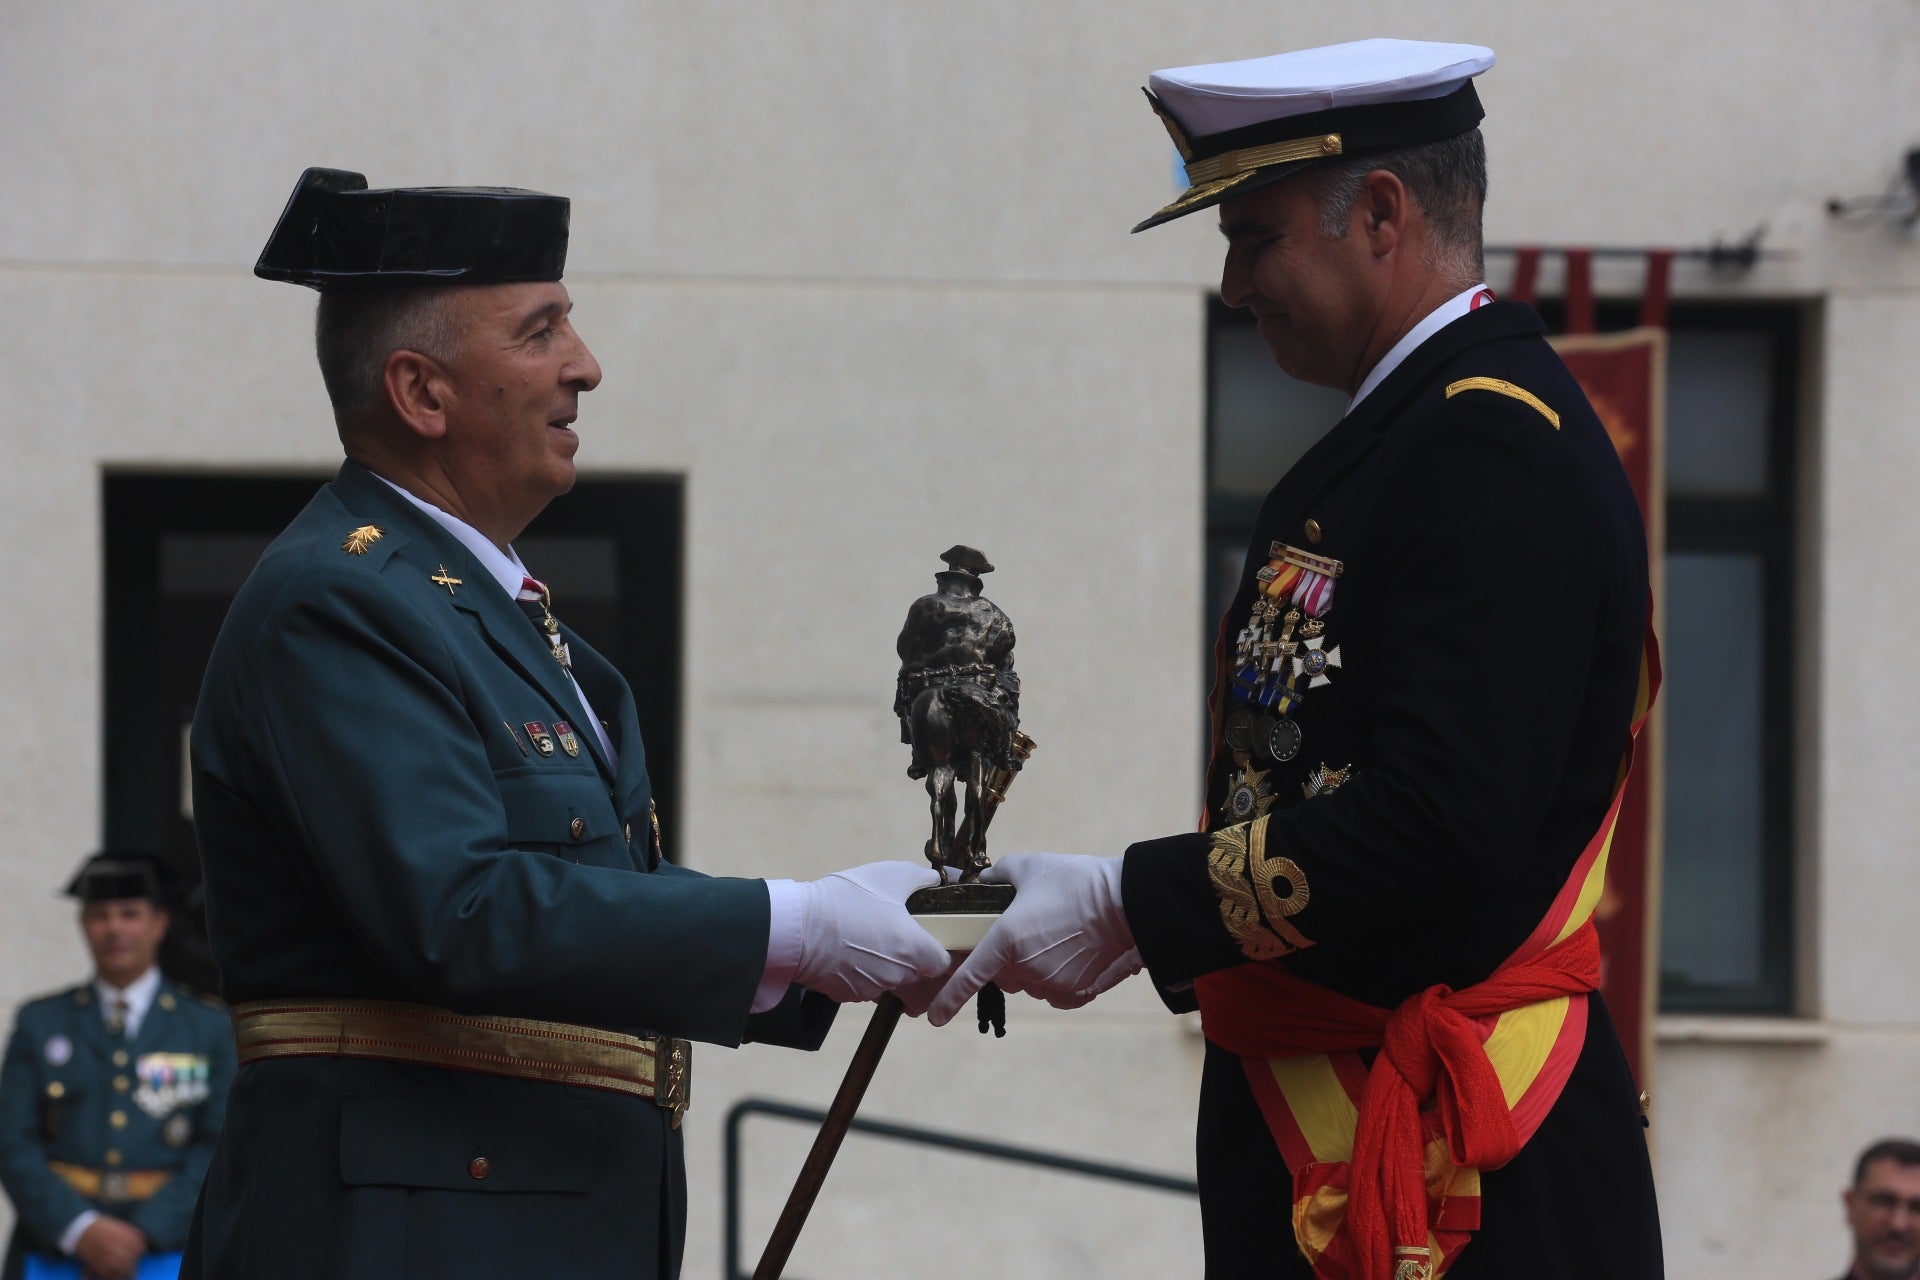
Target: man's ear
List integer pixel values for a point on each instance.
(1385, 209)
(417, 388)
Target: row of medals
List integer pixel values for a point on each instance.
(1280, 650)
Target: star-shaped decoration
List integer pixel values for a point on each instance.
(1316, 662)
(1249, 795)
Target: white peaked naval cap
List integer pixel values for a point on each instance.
(1241, 125)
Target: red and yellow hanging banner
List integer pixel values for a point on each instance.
(1625, 377)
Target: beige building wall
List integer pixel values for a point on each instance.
(860, 273)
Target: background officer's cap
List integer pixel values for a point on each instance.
(1242, 125)
(335, 233)
(119, 875)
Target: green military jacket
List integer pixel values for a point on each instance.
(73, 1093)
(378, 819)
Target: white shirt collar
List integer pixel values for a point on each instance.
(504, 567)
(139, 995)
(1435, 320)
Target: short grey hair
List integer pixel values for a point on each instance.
(1447, 179)
(355, 330)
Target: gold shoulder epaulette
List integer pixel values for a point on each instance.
(367, 534)
(1499, 387)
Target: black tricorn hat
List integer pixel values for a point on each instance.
(335, 233)
(120, 874)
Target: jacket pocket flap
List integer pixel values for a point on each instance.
(462, 1146)
(542, 805)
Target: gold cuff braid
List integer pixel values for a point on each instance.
(1252, 906)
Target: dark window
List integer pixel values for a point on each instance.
(1726, 942)
(1727, 633)
(177, 548)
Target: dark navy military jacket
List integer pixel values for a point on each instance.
(1451, 767)
(74, 1093)
(376, 820)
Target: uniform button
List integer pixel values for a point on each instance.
(56, 1090)
(119, 1057)
(118, 1119)
(1314, 531)
(121, 1084)
(578, 828)
(480, 1167)
(113, 1156)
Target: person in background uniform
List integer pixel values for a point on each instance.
(1883, 1212)
(1425, 695)
(463, 980)
(112, 1092)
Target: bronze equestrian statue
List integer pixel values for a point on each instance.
(958, 699)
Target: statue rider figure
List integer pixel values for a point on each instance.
(958, 699)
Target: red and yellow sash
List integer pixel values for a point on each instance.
(1386, 1161)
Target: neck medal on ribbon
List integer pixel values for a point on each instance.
(1279, 655)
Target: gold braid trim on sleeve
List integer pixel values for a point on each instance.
(1267, 873)
(1243, 877)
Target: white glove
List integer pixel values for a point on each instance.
(1064, 936)
(1117, 972)
(856, 938)
(918, 997)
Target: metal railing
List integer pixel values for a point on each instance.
(737, 1116)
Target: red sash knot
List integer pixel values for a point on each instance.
(1431, 1054)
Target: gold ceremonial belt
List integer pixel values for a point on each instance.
(653, 1067)
(111, 1186)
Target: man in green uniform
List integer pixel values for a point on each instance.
(112, 1092)
(462, 977)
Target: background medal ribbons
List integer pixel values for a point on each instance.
(169, 1081)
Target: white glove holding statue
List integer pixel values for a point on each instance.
(857, 940)
(1064, 940)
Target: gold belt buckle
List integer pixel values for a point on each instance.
(113, 1187)
(672, 1074)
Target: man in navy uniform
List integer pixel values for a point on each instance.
(1426, 689)
(112, 1092)
(463, 980)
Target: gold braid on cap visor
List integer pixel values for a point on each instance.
(1234, 164)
